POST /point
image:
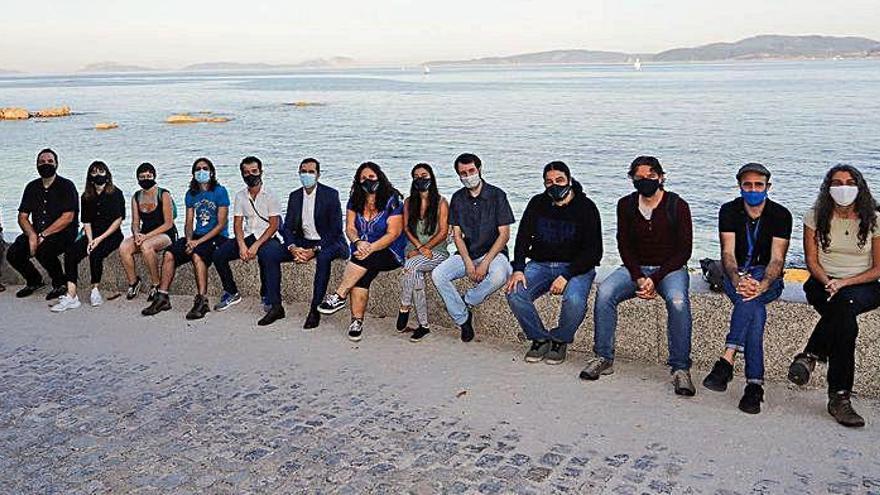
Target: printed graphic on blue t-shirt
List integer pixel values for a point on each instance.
(206, 204)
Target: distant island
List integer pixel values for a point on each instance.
(9, 71)
(319, 63)
(114, 67)
(764, 47)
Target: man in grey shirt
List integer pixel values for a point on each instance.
(480, 217)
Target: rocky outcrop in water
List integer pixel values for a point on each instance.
(17, 113)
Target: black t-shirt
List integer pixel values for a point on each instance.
(775, 221)
(479, 217)
(102, 210)
(47, 205)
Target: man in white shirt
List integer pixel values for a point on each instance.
(256, 218)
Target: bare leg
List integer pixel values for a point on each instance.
(150, 249)
(201, 272)
(167, 272)
(350, 276)
(729, 355)
(126, 255)
(359, 298)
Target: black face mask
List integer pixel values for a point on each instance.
(46, 170)
(422, 184)
(98, 180)
(146, 184)
(647, 187)
(253, 180)
(557, 192)
(370, 186)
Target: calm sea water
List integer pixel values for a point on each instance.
(703, 121)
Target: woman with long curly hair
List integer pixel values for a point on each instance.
(842, 250)
(374, 226)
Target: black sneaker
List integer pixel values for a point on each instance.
(27, 290)
(161, 303)
(800, 369)
(331, 304)
(419, 333)
(200, 308)
(537, 351)
(402, 320)
(312, 320)
(556, 354)
(275, 313)
(356, 330)
(56, 292)
(719, 377)
(467, 328)
(752, 399)
(134, 289)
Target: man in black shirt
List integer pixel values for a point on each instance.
(480, 217)
(755, 232)
(48, 220)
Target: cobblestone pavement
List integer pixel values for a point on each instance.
(101, 401)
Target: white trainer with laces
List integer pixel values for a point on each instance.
(65, 302)
(95, 298)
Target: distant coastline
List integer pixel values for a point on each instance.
(764, 47)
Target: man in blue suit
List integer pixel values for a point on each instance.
(312, 230)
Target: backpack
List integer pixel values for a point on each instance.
(159, 193)
(713, 273)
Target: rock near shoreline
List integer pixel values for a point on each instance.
(16, 113)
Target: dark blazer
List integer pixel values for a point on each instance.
(328, 219)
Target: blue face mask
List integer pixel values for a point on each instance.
(308, 180)
(753, 198)
(202, 176)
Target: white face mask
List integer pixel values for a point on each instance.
(471, 181)
(844, 195)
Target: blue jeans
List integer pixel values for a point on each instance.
(539, 278)
(619, 287)
(270, 265)
(228, 251)
(453, 269)
(747, 321)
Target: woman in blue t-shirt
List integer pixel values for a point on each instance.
(207, 207)
(374, 226)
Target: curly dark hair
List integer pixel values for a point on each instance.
(415, 203)
(194, 186)
(865, 206)
(384, 193)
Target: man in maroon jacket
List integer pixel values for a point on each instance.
(654, 237)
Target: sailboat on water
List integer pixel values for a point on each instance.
(637, 65)
(426, 70)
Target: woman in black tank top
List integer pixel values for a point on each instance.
(152, 228)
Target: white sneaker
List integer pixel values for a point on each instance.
(96, 298)
(66, 302)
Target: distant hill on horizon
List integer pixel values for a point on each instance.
(114, 67)
(760, 47)
(308, 64)
(774, 46)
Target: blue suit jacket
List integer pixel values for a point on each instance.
(328, 219)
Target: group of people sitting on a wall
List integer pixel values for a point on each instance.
(557, 249)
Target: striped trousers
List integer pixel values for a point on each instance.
(412, 284)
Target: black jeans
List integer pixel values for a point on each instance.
(78, 252)
(834, 338)
(48, 252)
